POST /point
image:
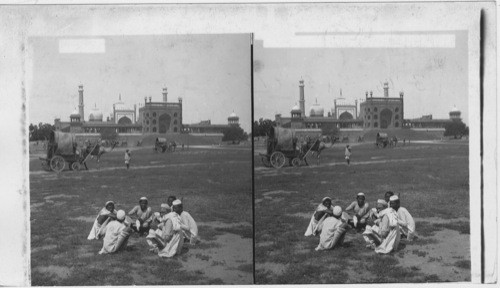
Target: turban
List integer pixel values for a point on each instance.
(326, 198)
(120, 215)
(143, 199)
(394, 198)
(176, 202)
(109, 202)
(337, 211)
(381, 203)
(164, 205)
(361, 194)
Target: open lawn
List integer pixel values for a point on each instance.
(215, 184)
(433, 183)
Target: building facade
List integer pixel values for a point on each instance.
(152, 117)
(382, 112)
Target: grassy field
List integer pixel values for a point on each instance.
(216, 187)
(433, 183)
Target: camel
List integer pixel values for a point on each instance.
(316, 147)
(96, 151)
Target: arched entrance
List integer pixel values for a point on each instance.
(164, 123)
(124, 121)
(346, 116)
(385, 118)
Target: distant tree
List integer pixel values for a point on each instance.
(265, 125)
(457, 129)
(40, 132)
(109, 134)
(256, 129)
(234, 134)
(330, 130)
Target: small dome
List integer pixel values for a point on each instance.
(96, 115)
(233, 116)
(454, 110)
(75, 113)
(296, 109)
(316, 110)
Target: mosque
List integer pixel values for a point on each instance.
(382, 112)
(149, 118)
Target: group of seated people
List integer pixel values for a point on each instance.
(382, 227)
(165, 231)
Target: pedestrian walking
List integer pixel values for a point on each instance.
(348, 154)
(127, 158)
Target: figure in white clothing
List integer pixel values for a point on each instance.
(116, 235)
(322, 211)
(405, 220)
(333, 232)
(169, 240)
(106, 214)
(385, 236)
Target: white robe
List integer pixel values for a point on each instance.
(406, 223)
(95, 232)
(389, 222)
(332, 234)
(116, 236)
(172, 228)
(315, 226)
(192, 233)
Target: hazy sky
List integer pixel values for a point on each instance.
(210, 72)
(433, 79)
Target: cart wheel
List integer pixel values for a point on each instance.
(265, 161)
(75, 166)
(296, 162)
(57, 163)
(277, 159)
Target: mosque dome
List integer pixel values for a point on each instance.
(454, 110)
(95, 115)
(316, 110)
(75, 113)
(233, 116)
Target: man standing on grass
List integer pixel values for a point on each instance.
(361, 210)
(127, 158)
(348, 154)
(333, 232)
(405, 220)
(116, 235)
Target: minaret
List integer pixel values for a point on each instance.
(302, 100)
(80, 102)
(386, 89)
(165, 95)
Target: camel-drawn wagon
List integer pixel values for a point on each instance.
(382, 140)
(282, 145)
(63, 148)
(161, 145)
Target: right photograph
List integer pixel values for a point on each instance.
(361, 158)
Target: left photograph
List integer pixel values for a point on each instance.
(140, 160)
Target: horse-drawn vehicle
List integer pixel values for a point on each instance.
(282, 145)
(62, 148)
(161, 145)
(382, 140)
